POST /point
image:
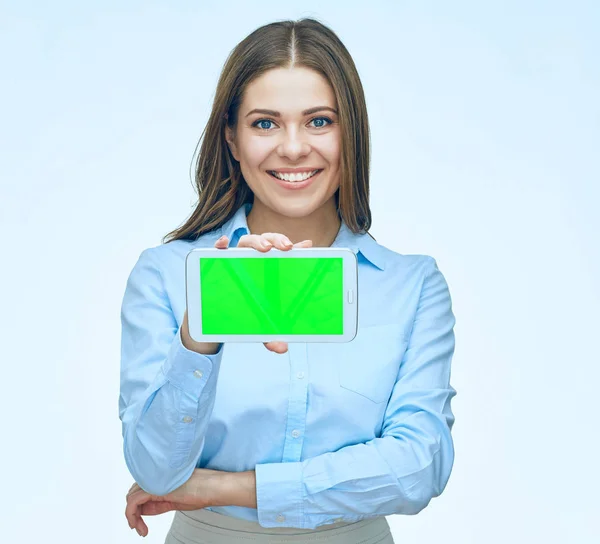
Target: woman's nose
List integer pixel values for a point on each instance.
(293, 145)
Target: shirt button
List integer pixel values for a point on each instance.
(198, 374)
(295, 433)
(280, 517)
(300, 375)
(187, 419)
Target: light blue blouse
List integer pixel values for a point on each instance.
(335, 431)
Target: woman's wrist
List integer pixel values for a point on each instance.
(203, 348)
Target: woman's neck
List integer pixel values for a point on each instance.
(322, 226)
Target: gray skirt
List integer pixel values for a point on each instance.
(207, 527)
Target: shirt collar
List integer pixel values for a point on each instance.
(358, 243)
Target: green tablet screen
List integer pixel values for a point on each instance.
(272, 295)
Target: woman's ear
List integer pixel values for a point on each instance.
(229, 136)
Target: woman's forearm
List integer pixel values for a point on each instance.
(236, 489)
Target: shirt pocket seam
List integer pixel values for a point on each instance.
(354, 363)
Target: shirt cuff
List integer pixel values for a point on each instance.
(279, 497)
(189, 370)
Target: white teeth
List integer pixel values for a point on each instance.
(294, 177)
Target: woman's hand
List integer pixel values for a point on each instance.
(198, 492)
(264, 242)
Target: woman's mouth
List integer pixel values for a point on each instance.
(296, 180)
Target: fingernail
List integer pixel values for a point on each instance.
(266, 244)
(287, 242)
(138, 531)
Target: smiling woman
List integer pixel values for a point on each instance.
(323, 441)
(293, 133)
(267, 148)
(289, 101)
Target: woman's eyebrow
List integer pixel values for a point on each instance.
(274, 113)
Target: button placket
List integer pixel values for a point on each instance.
(297, 404)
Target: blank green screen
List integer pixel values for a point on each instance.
(272, 295)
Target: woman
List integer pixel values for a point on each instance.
(306, 441)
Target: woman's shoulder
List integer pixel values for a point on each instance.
(171, 255)
(178, 248)
(406, 262)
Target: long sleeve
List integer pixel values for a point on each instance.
(167, 392)
(398, 472)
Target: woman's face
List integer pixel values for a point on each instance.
(300, 133)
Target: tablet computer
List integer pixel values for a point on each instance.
(244, 295)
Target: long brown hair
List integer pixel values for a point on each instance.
(307, 42)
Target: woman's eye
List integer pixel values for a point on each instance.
(260, 124)
(319, 121)
(265, 124)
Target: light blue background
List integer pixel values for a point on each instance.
(485, 130)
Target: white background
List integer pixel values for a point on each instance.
(485, 130)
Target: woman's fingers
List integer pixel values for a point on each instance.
(133, 488)
(133, 510)
(130, 512)
(280, 241)
(264, 242)
(222, 243)
(277, 347)
(156, 508)
(255, 241)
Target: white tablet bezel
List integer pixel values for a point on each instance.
(350, 293)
